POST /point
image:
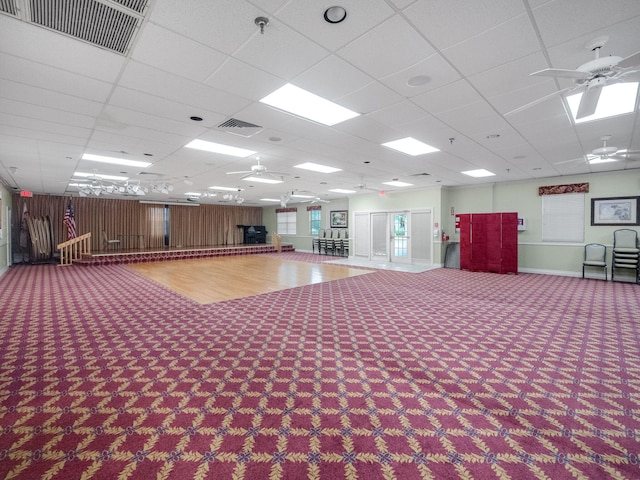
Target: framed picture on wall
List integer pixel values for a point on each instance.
(615, 211)
(338, 218)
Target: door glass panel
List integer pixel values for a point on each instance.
(379, 235)
(400, 238)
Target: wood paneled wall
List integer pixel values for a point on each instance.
(189, 226)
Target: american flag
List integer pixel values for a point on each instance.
(70, 221)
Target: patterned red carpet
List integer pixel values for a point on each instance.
(438, 375)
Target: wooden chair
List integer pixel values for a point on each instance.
(106, 242)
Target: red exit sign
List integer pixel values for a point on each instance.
(26, 193)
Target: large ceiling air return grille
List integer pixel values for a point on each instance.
(239, 127)
(89, 20)
(135, 5)
(8, 6)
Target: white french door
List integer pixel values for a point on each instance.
(399, 237)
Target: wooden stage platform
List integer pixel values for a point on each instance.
(113, 257)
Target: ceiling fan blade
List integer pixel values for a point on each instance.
(539, 100)
(589, 101)
(631, 156)
(630, 61)
(562, 73)
(239, 172)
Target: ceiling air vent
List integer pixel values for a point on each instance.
(135, 5)
(8, 6)
(238, 127)
(105, 24)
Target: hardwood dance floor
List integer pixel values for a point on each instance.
(209, 280)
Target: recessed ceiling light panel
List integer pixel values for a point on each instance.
(226, 189)
(254, 178)
(341, 190)
(302, 103)
(615, 99)
(410, 146)
(478, 173)
(219, 148)
(100, 176)
(315, 167)
(115, 160)
(396, 183)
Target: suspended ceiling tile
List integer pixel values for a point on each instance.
(435, 70)
(151, 104)
(382, 50)
(54, 79)
(554, 18)
(281, 51)
(447, 23)
(332, 78)
(39, 96)
(506, 42)
(307, 17)
(244, 80)
(165, 50)
(225, 25)
(449, 97)
(40, 45)
(178, 89)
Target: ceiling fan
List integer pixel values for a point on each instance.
(590, 77)
(363, 186)
(284, 199)
(605, 153)
(259, 171)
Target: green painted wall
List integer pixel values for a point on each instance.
(302, 240)
(534, 255)
(522, 197)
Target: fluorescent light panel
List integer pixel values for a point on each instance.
(410, 146)
(269, 200)
(219, 148)
(305, 104)
(595, 159)
(193, 194)
(616, 99)
(115, 161)
(316, 167)
(226, 189)
(302, 196)
(261, 179)
(396, 183)
(341, 190)
(479, 173)
(99, 176)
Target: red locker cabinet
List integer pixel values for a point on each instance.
(489, 242)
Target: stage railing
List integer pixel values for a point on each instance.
(277, 242)
(73, 249)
